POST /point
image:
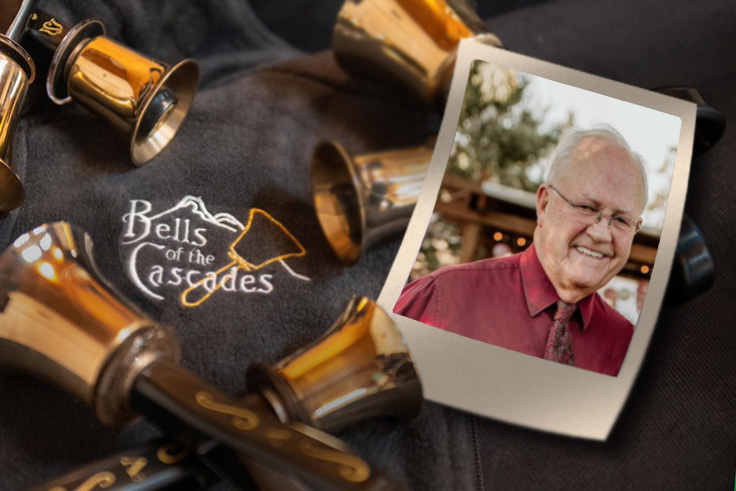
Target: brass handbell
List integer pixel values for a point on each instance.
(359, 369)
(361, 199)
(61, 320)
(411, 43)
(144, 99)
(16, 73)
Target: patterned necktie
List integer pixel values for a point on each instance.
(559, 342)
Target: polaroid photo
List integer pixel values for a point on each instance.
(534, 267)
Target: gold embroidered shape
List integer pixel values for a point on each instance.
(245, 253)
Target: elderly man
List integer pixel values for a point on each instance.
(543, 301)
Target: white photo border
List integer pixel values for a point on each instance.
(505, 385)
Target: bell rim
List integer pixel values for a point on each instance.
(56, 81)
(350, 257)
(261, 377)
(147, 343)
(10, 186)
(186, 75)
(19, 55)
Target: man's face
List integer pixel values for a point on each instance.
(580, 258)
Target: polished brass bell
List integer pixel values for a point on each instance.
(410, 43)
(62, 321)
(17, 71)
(413, 45)
(361, 199)
(359, 369)
(144, 99)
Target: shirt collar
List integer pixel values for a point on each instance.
(539, 291)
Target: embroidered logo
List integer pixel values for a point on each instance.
(188, 253)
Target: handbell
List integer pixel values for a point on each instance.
(362, 355)
(411, 43)
(17, 71)
(146, 100)
(362, 199)
(61, 320)
(359, 369)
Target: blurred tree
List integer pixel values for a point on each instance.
(499, 136)
(441, 247)
(659, 190)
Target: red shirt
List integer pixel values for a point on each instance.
(510, 302)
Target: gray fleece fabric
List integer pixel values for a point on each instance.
(246, 145)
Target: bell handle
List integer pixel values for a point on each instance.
(16, 16)
(158, 465)
(180, 404)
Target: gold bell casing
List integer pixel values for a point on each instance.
(141, 97)
(361, 199)
(146, 100)
(410, 43)
(62, 321)
(16, 73)
(359, 369)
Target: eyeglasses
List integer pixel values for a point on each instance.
(591, 214)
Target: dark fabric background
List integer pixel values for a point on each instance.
(262, 106)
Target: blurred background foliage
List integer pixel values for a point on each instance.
(499, 136)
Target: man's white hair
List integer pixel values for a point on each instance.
(570, 140)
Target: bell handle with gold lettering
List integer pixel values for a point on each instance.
(182, 404)
(186, 407)
(170, 465)
(60, 39)
(165, 464)
(144, 99)
(372, 359)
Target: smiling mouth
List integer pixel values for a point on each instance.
(587, 252)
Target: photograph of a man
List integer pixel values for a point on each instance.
(544, 301)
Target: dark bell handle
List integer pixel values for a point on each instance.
(180, 403)
(710, 122)
(160, 465)
(47, 30)
(693, 270)
(14, 17)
